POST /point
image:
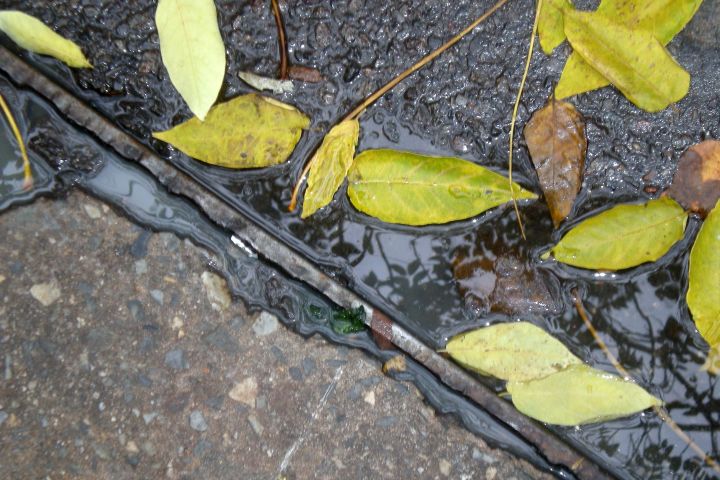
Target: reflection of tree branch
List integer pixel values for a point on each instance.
(660, 411)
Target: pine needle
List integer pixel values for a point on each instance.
(27, 171)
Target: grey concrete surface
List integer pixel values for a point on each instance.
(122, 356)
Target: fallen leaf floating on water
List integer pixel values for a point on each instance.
(696, 185)
(411, 189)
(664, 18)
(550, 24)
(555, 136)
(329, 166)
(517, 351)
(624, 236)
(192, 50)
(633, 60)
(578, 395)
(703, 296)
(31, 34)
(264, 83)
(249, 131)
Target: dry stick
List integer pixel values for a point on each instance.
(282, 44)
(514, 116)
(392, 83)
(27, 172)
(660, 411)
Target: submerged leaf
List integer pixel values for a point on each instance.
(550, 24)
(329, 165)
(555, 136)
(264, 83)
(696, 185)
(624, 236)
(577, 395)
(192, 50)
(348, 320)
(249, 131)
(511, 351)
(411, 189)
(703, 296)
(31, 34)
(664, 18)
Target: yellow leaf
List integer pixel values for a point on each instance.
(31, 34)
(632, 60)
(550, 24)
(577, 395)
(665, 18)
(192, 50)
(329, 165)
(249, 131)
(703, 296)
(510, 351)
(411, 189)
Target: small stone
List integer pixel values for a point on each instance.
(139, 247)
(45, 293)
(491, 473)
(3, 417)
(445, 467)
(265, 324)
(278, 354)
(256, 425)
(149, 417)
(101, 451)
(295, 373)
(237, 323)
(92, 211)
(176, 360)
(217, 290)
(140, 267)
(245, 391)
(148, 448)
(386, 422)
(158, 296)
(132, 447)
(369, 398)
(202, 447)
(221, 338)
(2, 278)
(177, 323)
(308, 366)
(136, 310)
(133, 460)
(197, 421)
(482, 456)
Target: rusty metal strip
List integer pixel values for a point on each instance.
(555, 450)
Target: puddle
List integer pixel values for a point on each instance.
(457, 106)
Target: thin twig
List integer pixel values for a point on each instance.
(282, 43)
(514, 115)
(660, 411)
(27, 171)
(392, 83)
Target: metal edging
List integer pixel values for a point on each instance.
(555, 450)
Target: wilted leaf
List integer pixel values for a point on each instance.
(578, 395)
(703, 296)
(192, 50)
(412, 189)
(511, 351)
(550, 24)
(348, 320)
(624, 236)
(696, 185)
(329, 165)
(555, 136)
(665, 18)
(249, 131)
(264, 83)
(31, 34)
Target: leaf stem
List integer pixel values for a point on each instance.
(27, 171)
(282, 43)
(514, 115)
(357, 111)
(660, 411)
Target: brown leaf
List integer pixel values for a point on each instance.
(696, 185)
(555, 136)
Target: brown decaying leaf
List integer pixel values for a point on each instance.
(555, 136)
(696, 185)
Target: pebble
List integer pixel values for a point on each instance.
(197, 421)
(445, 467)
(221, 338)
(216, 290)
(265, 324)
(132, 447)
(202, 447)
(140, 267)
(308, 366)
(478, 455)
(386, 422)
(176, 360)
(296, 373)
(255, 424)
(139, 247)
(136, 310)
(45, 293)
(369, 398)
(245, 391)
(279, 354)
(149, 417)
(92, 211)
(158, 296)
(3, 417)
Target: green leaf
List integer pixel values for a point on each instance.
(577, 395)
(624, 236)
(192, 50)
(249, 131)
(550, 24)
(703, 296)
(31, 34)
(329, 165)
(412, 189)
(348, 320)
(510, 351)
(665, 18)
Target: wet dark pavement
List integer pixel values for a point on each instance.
(123, 356)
